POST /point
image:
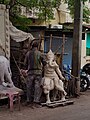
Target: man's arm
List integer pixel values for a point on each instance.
(43, 59)
(26, 61)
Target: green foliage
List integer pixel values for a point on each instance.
(86, 11)
(44, 7)
(45, 10)
(70, 7)
(4, 1)
(20, 20)
(86, 14)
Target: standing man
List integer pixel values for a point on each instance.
(33, 62)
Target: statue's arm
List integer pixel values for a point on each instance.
(59, 73)
(43, 59)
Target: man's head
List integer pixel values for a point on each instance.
(35, 44)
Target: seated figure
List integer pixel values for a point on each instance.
(52, 77)
(5, 72)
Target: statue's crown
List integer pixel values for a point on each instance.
(50, 54)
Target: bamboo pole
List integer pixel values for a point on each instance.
(62, 53)
(50, 42)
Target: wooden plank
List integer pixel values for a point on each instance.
(60, 104)
(59, 101)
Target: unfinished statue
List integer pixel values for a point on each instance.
(52, 77)
(5, 72)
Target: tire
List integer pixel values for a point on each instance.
(86, 68)
(84, 83)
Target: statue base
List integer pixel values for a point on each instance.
(58, 103)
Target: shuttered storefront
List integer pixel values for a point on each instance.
(57, 42)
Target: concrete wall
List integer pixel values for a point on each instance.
(83, 53)
(62, 15)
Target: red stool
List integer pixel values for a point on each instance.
(11, 96)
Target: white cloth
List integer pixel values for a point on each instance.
(19, 35)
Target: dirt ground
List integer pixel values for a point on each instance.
(80, 110)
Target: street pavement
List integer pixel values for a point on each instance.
(80, 110)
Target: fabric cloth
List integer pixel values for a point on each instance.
(19, 35)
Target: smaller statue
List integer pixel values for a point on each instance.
(5, 72)
(52, 77)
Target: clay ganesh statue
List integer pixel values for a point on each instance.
(52, 77)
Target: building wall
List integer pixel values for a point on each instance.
(88, 3)
(83, 53)
(60, 16)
